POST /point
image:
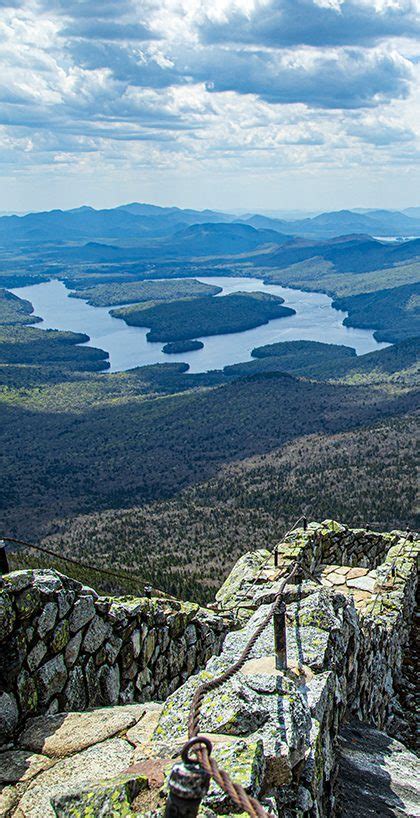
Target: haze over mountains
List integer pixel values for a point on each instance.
(147, 458)
(143, 222)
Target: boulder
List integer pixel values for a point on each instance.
(9, 714)
(83, 611)
(113, 798)
(21, 766)
(66, 733)
(80, 771)
(47, 619)
(97, 632)
(51, 678)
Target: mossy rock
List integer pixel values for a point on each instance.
(60, 637)
(241, 577)
(28, 602)
(243, 760)
(316, 611)
(108, 799)
(7, 615)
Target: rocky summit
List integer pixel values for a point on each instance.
(96, 691)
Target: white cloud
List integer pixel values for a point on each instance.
(207, 87)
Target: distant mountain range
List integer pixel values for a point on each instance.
(382, 223)
(243, 243)
(145, 225)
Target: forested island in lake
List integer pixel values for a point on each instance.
(184, 319)
(129, 292)
(178, 347)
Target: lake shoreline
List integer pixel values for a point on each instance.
(128, 348)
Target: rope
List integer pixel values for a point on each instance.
(43, 550)
(235, 791)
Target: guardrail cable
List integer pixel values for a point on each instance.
(72, 561)
(201, 745)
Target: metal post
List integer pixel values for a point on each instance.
(305, 523)
(280, 649)
(148, 591)
(188, 784)
(276, 558)
(4, 564)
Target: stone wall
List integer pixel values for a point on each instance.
(331, 542)
(346, 628)
(62, 647)
(274, 731)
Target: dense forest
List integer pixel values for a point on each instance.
(169, 475)
(394, 312)
(183, 319)
(178, 347)
(106, 295)
(187, 544)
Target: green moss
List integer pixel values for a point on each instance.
(244, 763)
(61, 636)
(113, 798)
(28, 601)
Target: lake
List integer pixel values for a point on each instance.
(315, 320)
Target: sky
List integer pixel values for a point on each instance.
(250, 104)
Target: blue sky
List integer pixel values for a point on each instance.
(258, 104)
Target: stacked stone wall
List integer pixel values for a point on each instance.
(274, 731)
(344, 645)
(62, 647)
(331, 542)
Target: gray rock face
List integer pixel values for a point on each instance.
(65, 600)
(9, 714)
(47, 619)
(72, 649)
(97, 632)
(51, 678)
(82, 613)
(109, 683)
(74, 695)
(378, 776)
(36, 655)
(99, 762)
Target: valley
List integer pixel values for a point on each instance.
(171, 467)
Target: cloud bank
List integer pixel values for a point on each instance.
(227, 88)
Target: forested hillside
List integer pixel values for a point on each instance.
(172, 474)
(188, 543)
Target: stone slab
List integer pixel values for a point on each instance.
(356, 572)
(336, 579)
(97, 763)
(143, 730)
(66, 733)
(364, 583)
(9, 798)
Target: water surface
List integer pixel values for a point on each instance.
(315, 320)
